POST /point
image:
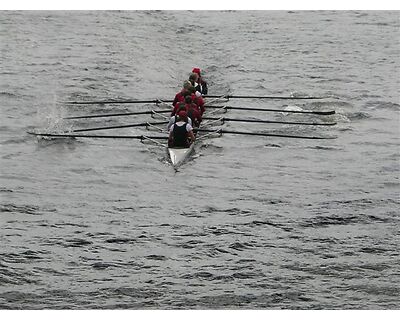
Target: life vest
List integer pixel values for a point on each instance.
(180, 136)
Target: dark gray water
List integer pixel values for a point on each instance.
(250, 222)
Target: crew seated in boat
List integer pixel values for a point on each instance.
(180, 96)
(181, 133)
(201, 84)
(174, 118)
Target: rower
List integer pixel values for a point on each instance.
(180, 96)
(193, 111)
(202, 85)
(180, 106)
(193, 78)
(181, 133)
(199, 101)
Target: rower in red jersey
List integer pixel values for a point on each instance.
(180, 96)
(193, 111)
(199, 101)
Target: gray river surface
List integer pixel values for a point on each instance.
(248, 222)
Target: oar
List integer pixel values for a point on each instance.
(116, 114)
(262, 134)
(129, 101)
(272, 121)
(67, 135)
(267, 97)
(143, 124)
(117, 101)
(206, 96)
(324, 113)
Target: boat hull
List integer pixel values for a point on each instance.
(179, 155)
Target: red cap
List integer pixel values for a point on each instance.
(196, 70)
(182, 114)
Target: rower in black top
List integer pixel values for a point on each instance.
(181, 133)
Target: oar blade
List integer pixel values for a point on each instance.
(323, 113)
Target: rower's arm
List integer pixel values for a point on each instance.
(170, 139)
(191, 136)
(173, 111)
(170, 123)
(205, 88)
(175, 101)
